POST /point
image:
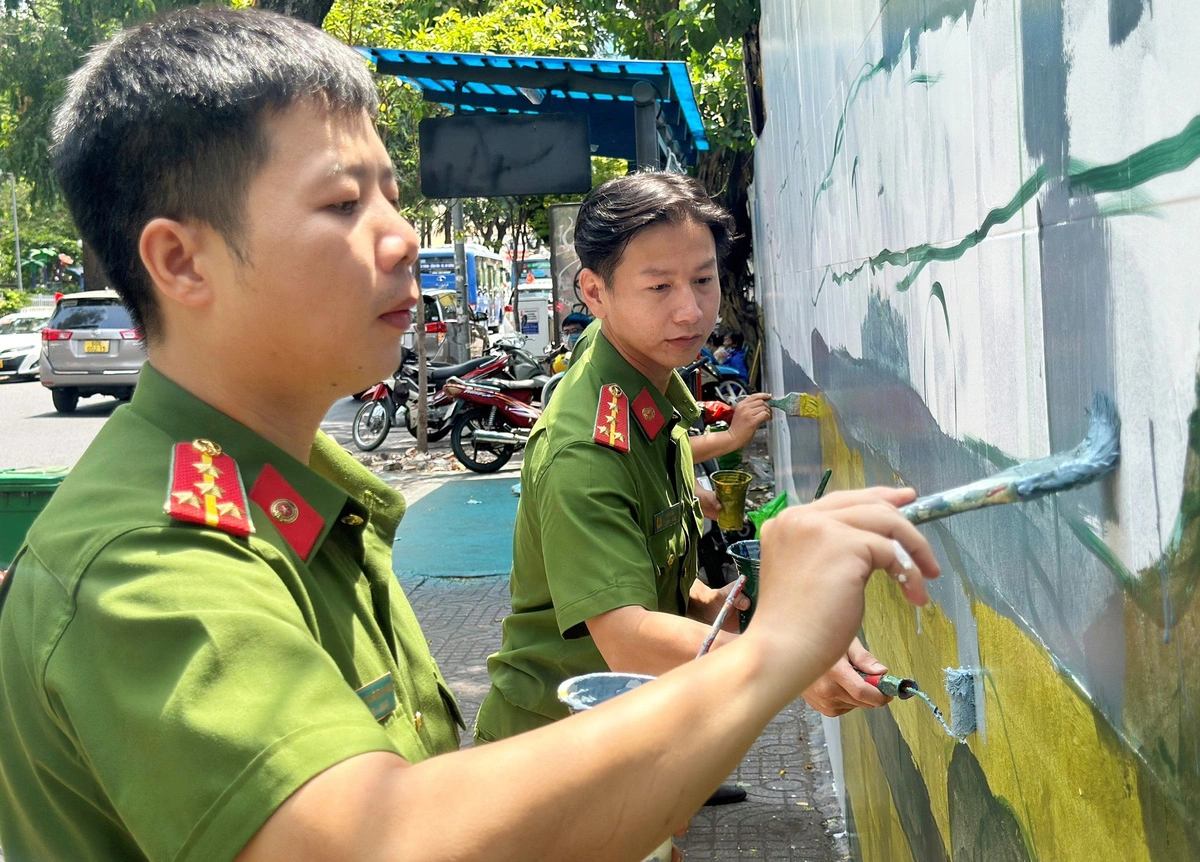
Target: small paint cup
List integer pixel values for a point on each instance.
(745, 555)
(584, 692)
(730, 487)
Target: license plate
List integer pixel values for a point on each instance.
(95, 347)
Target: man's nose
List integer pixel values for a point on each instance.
(398, 245)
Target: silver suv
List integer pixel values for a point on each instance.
(90, 347)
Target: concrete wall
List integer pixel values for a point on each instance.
(971, 215)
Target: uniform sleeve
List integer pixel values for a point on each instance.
(594, 549)
(191, 684)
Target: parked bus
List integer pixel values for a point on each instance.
(488, 277)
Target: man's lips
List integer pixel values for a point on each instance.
(402, 320)
(685, 340)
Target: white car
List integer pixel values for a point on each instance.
(21, 341)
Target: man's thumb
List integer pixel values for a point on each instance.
(864, 661)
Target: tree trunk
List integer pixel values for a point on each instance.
(312, 11)
(727, 175)
(94, 276)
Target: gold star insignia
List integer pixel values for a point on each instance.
(229, 509)
(209, 488)
(207, 470)
(187, 498)
(602, 429)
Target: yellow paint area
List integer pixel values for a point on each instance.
(880, 833)
(1071, 783)
(1055, 761)
(890, 626)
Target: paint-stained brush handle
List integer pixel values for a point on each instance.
(724, 612)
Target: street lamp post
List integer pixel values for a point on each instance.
(16, 230)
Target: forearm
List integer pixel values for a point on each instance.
(568, 792)
(712, 445)
(635, 640)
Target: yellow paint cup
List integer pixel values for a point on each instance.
(730, 487)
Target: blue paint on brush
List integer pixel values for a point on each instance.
(960, 684)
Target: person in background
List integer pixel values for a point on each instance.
(735, 353)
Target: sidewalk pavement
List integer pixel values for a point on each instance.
(791, 812)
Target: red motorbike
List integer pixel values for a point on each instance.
(383, 403)
(496, 422)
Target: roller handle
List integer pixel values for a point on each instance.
(892, 686)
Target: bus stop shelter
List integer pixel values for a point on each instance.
(641, 110)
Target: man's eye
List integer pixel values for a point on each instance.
(346, 207)
(708, 279)
(659, 288)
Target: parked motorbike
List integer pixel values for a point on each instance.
(383, 403)
(495, 423)
(378, 412)
(721, 381)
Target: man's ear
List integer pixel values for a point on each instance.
(591, 287)
(174, 254)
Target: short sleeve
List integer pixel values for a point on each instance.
(594, 550)
(191, 684)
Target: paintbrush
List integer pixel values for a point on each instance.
(721, 614)
(797, 404)
(1092, 459)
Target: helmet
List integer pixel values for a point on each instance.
(560, 363)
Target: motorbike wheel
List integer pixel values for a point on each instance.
(732, 391)
(480, 457)
(371, 425)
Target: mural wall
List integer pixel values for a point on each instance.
(971, 215)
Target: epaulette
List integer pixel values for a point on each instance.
(206, 488)
(612, 418)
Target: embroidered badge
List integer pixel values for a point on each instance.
(668, 518)
(379, 696)
(206, 488)
(296, 521)
(612, 418)
(648, 414)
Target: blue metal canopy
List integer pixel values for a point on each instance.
(603, 89)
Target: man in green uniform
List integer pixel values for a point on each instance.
(604, 548)
(203, 653)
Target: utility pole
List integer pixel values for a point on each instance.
(422, 368)
(462, 335)
(16, 230)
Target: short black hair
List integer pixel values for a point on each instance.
(616, 211)
(737, 338)
(166, 120)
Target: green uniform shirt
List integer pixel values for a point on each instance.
(597, 529)
(164, 686)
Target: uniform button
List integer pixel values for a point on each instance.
(418, 721)
(352, 520)
(671, 560)
(284, 511)
(206, 447)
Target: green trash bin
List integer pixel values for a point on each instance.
(23, 495)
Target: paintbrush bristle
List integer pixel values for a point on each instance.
(798, 404)
(960, 685)
(1096, 456)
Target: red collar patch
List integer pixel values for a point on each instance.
(612, 418)
(296, 521)
(645, 409)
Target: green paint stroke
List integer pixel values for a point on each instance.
(925, 78)
(1166, 156)
(865, 74)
